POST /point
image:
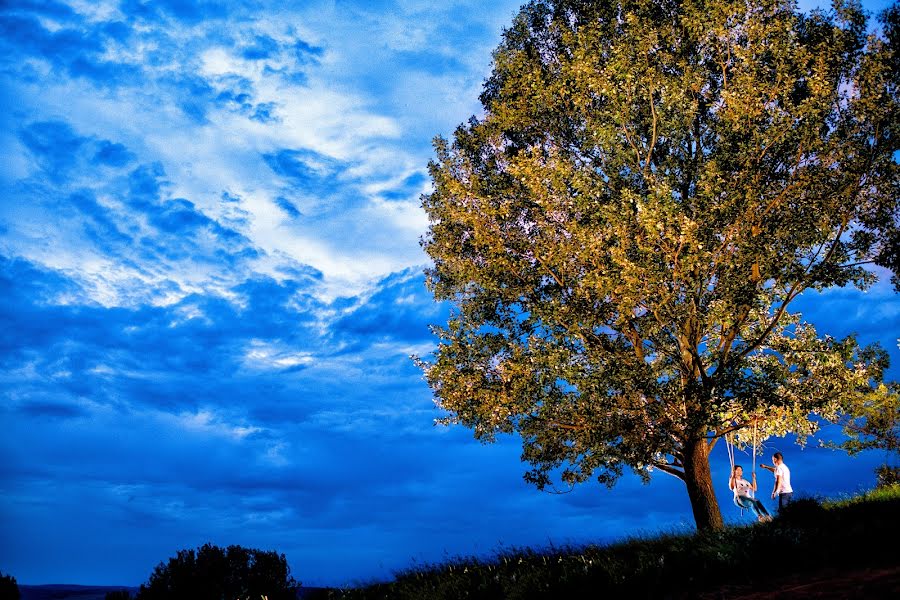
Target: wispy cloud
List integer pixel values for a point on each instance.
(206, 100)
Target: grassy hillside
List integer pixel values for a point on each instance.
(839, 539)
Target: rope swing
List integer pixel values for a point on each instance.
(729, 446)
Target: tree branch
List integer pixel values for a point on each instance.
(857, 264)
(718, 433)
(550, 270)
(652, 136)
(568, 427)
(795, 291)
(637, 153)
(670, 469)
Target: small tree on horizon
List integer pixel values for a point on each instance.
(214, 573)
(623, 231)
(9, 588)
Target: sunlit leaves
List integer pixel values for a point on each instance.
(871, 420)
(623, 231)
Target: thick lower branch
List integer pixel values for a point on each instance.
(670, 469)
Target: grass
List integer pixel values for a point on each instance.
(809, 536)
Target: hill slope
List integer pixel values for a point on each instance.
(847, 547)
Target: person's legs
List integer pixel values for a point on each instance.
(750, 504)
(784, 499)
(760, 508)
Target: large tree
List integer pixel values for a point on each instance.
(622, 232)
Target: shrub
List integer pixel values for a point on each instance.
(118, 595)
(9, 589)
(802, 511)
(213, 573)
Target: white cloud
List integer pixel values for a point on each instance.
(207, 422)
(264, 355)
(97, 10)
(331, 113)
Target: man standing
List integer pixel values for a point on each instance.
(783, 489)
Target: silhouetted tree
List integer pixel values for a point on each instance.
(215, 573)
(9, 589)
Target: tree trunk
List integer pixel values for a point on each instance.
(698, 479)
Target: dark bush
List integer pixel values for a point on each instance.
(9, 589)
(118, 595)
(213, 573)
(802, 511)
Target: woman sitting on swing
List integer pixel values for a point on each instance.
(743, 493)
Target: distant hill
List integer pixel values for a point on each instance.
(98, 592)
(70, 592)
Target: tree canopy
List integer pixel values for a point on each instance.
(9, 589)
(871, 421)
(622, 232)
(214, 573)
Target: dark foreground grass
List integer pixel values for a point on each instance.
(808, 537)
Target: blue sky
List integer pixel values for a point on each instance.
(211, 283)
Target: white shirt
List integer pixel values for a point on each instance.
(742, 487)
(785, 474)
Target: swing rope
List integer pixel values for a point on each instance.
(729, 446)
(753, 468)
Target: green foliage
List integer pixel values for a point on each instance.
(9, 589)
(887, 476)
(622, 233)
(809, 537)
(885, 493)
(871, 420)
(214, 573)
